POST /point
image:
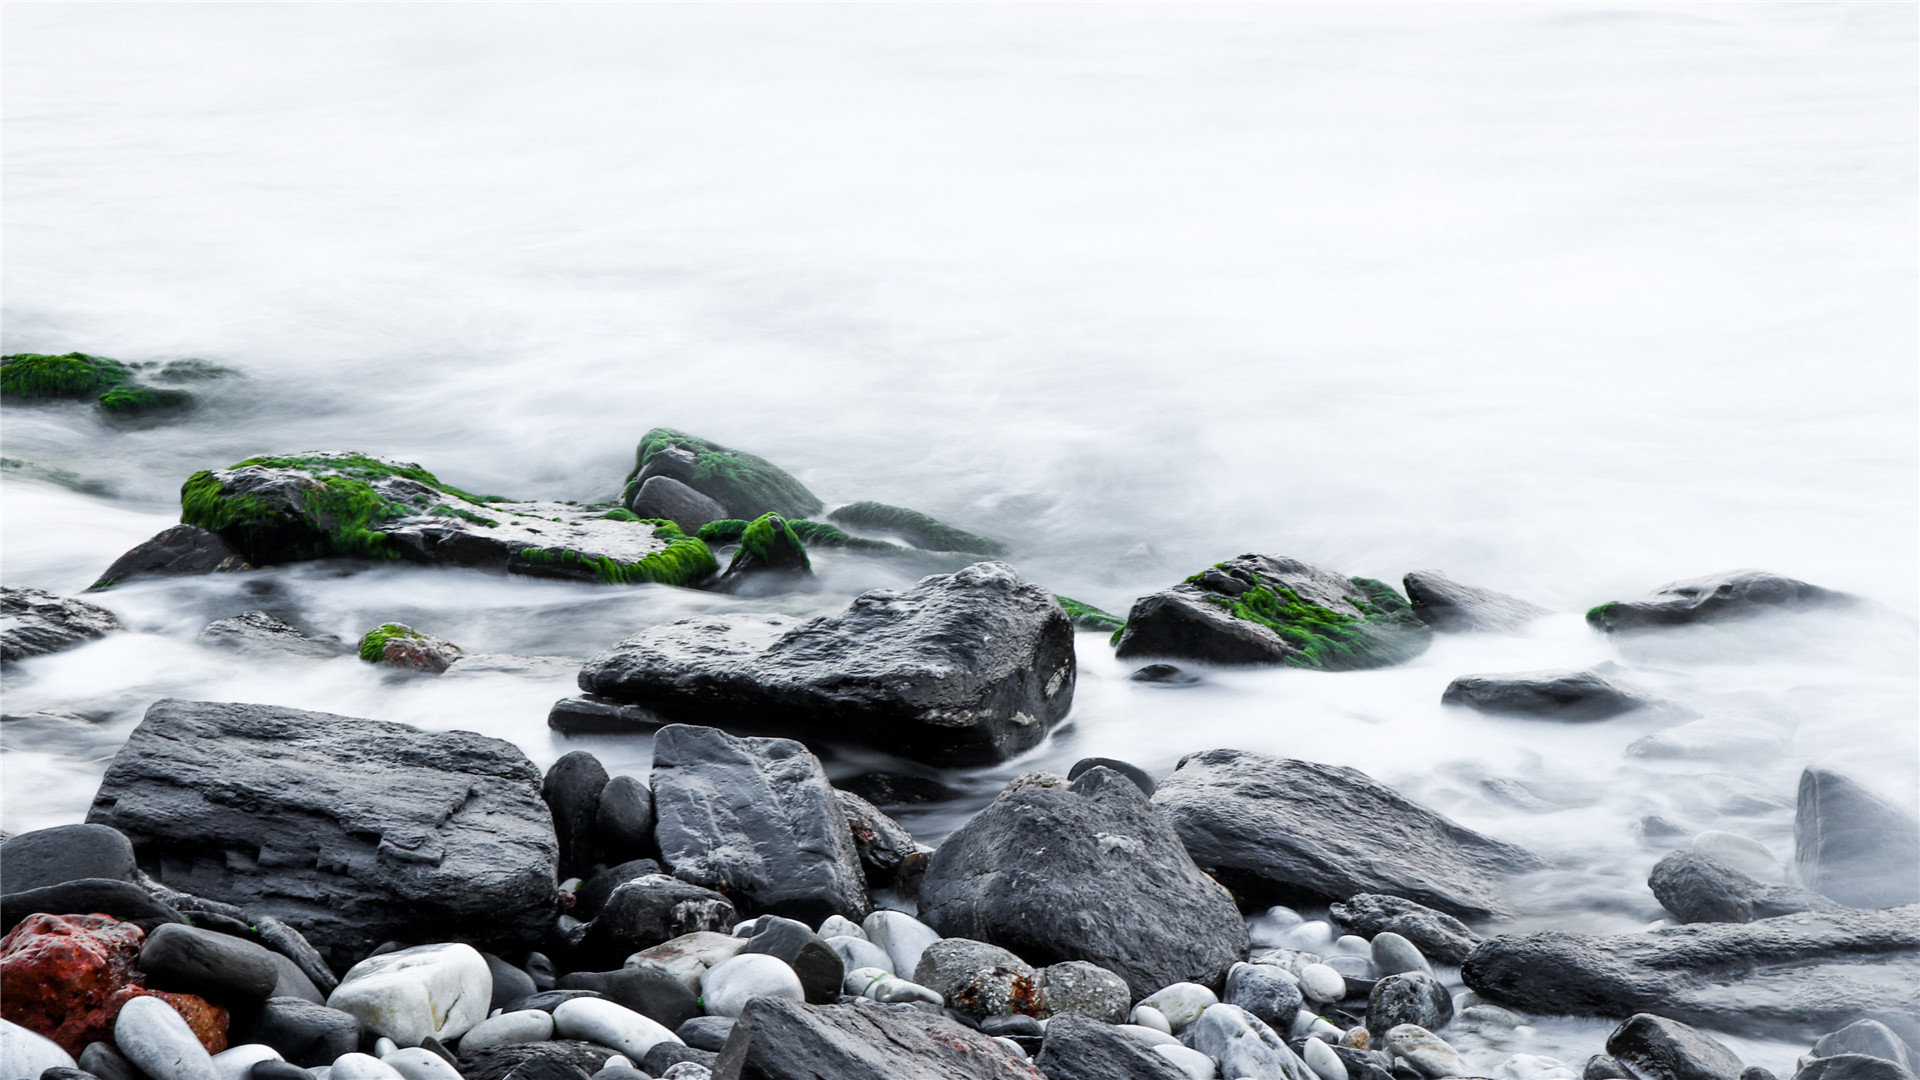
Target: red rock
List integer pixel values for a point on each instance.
(66, 977)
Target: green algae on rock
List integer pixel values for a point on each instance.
(1088, 617)
(323, 504)
(744, 483)
(814, 534)
(915, 528)
(73, 376)
(399, 645)
(768, 545)
(1268, 609)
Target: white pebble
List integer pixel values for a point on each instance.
(1313, 936)
(154, 1037)
(1148, 1016)
(841, 926)
(383, 1046)
(363, 1067)
(1017, 1050)
(419, 1063)
(903, 936)
(1322, 1028)
(745, 929)
(1353, 943)
(1192, 1062)
(1146, 1035)
(727, 986)
(597, 1020)
(1322, 984)
(1322, 1060)
(521, 1026)
(28, 1053)
(1302, 1021)
(1182, 1003)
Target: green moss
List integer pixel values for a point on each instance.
(373, 647)
(811, 533)
(71, 375)
(685, 560)
(1089, 617)
(1331, 640)
(1601, 616)
(915, 528)
(743, 483)
(134, 399)
(192, 371)
(464, 515)
(617, 514)
(769, 543)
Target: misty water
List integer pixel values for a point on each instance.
(1565, 301)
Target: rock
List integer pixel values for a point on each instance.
(437, 991)
(590, 714)
(687, 1071)
(406, 833)
(1081, 1049)
(1393, 954)
(25, 1053)
(877, 985)
(306, 1034)
(1269, 609)
(979, 979)
(1244, 1045)
(1191, 1063)
(1322, 1060)
(687, 958)
(1853, 1067)
(1700, 888)
(178, 549)
(916, 528)
(67, 977)
(592, 896)
(1655, 1048)
(858, 953)
(778, 1039)
(1090, 872)
(396, 645)
(536, 1061)
(1793, 976)
(256, 633)
(64, 853)
(1853, 845)
(1724, 597)
(648, 990)
(572, 791)
(706, 1032)
(1264, 991)
(1435, 933)
(121, 899)
(419, 1063)
(324, 504)
(1550, 695)
(903, 937)
(663, 497)
(525, 1025)
(1134, 773)
(729, 985)
(362, 1067)
(1865, 1037)
(598, 1021)
(1180, 1004)
(623, 823)
(236, 1063)
(1322, 984)
(1411, 997)
(1428, 1054)
(746, 485)
(818, 966)
(768, 548)
(215, 966)
(665, 1058)
(1280, 830)
(277, 1070)
(886, 850)
(756, 819)
(34, 622)
(1447, 605)
(509, 982)
(1077, 988)
(156, 1039)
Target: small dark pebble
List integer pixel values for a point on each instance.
(706, 1032)
(1011, 1025)
(1164, 675)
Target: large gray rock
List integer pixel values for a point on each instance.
(1656, 1048)
(964, 668)
(1552, 695)
(1853, 845)
(1736, 594)
(1853, 1067)
(1278, 830)
(1440, 936)
(1447, 605)
(756, 820)
(353, 831)
(777, 1039)
(1796, 976)
(1700, 888)
(1081, 1049)
(178, 549)
(34, 622)
(1088, 872)
(887, 850)
(256, 633)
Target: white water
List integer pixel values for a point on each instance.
(1568, 301)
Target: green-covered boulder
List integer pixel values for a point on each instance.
(323, 504)
(1088, 617)
(747, 485)
(1269, 609)
(915, 528)
(769, 547)
(120, 390)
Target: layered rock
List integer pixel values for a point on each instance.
(1700, 888)
(1447, 605)
(1736, 594)
(34, 622)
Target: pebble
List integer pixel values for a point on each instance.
(383, 1046)
(729, 985)
(419, 1063)
(154, 1037)
(1351, 966)
(894, 990)
(841, 926)
(1488, 1015)
(706, 1032)
(1014, 1047)
(598, 1020)
(1353, 943)
(1322, 1060)
(29, 1053)
(688, 1070)
(1324, 1029)
(362, 1067)
(410, 995)
(1182, 1003)
(1394, 955)
(746, 929)
(1265, 991)
(526, 1025)
(1302, 1021)
(1313, 936)
(858, 952)
(1271, 928)
(277, 1070)
(1146, 1035)
(237, 1062)
(1241, 1043)
(1357, 1037)
(903, 936)
(1150, 1017)
(1322, 984)
(1192, 1062)
(1428, 1053)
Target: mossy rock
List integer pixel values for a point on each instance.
(745, 484)
(401, 646)
(1268, 609)
(814, 534)
(915, 528)
(117, 388)
(1088, 617)
(768, 545)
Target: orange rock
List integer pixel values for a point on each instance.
(67, 976)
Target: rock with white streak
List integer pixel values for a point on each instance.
(523, 1026)
(411, 995)
(597, 1020)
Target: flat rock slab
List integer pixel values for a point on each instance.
(353, 831)
(34, 622)
(777, 1039)
(1553, 695)
(1793, 977)
(1736, 594)
(1280, 830)
(1447, 605)
(964, 668)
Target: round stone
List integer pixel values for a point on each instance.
(1182, 1003)
(410, 995)
(902, 936)
(858, 952)
(29, 1053)
(526, 1025)
(729, 985)
(361, 1067)
(1316, 936)
(237, 1062)
(1267, 992)
(155, 1038)
(597, 1020)
(419, 1063)
(1192, 1062)
(1322, 1060)
(1146, 1035)
(1322, 984)
(1409, 998)
(841, 926)
(1150, 1017)
(1429, 1054)
(1353, 943)
(1393, 954)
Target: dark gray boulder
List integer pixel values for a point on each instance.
(43, 857)
(256, 633)
(179, 549)
(1854, 845)
(1439, 936)
(1853, 1067)
(964, 668)
(1551, 695)
(1656, 1048)
(571, 790)
(223, 969)
(1603, 1067)
(1411, 997)
(592, 894)
(352, 831)
(1867, 1037)
(665, 1055)
(663, 497)
(1080, 1049)
(306, 1034)
(706, 1032)
(887, 851)
(623, 823)
(1278, 830)
(1736, 594)
(1088, 872)
(1700, 888)
(647, 991)
(646, 911)
(777, 1039)
(591, 714)
(34, 622)
(1796, 976)
(1269, 609)
(791, 942)
(756, 820)
(1446, 605)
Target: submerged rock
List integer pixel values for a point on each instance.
(1447, 605)
(746, 485)
(1269, 609)
(963, 668)
(397, 645)
(1438, 935)
(257, 633)
(1278, 830)
(915, 528)
(34, 622)
(768, 547)
(1551, 695)
(179, 549)
(777, 1039)
(1854, 845)
(1700, 888)
(1655, 1048)
(117, 389)
(1736, 594)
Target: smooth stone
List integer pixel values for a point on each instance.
(429, 991)
(102, 1060)
(1320, 983)
(179, 549)
(1536, 1067)
(1353, 968)
(275, 1069)
(1732, 595)
(706, 1032)
(526, 1025)
(1488, 1015)
(663, 497)
(623, 825)
(1012, 1024)
(1865, 1037)
(1265, 991)
(1603, 1067)
(1076, 1048)
(219, 967)
(902, 936)
(95, 896)
(599, 1021)
(236, 1062)
(1140, 777)
(1244, 1045)
(1147, 1035)
(156, 1040)
(1853, 844)
(779, 1039)
(687, 957)
(646, 989)
(648, 912)
(840, 926)
(1700, 888)
(420, 1063)
(1147, 1016)
(43, 857)
(1449, 606)
(1322, 1060)
(1354, 944)
(1656, 1048)
(820, 968)
(548, 1000)
(1393, 954)
(292, 981)
(571, 790)
(1411, 997)
(1180, 1004)
(27, 1054)
(1564, 695)
(306, 1034)
(1315, 936)
(357, 1066)
(1742, 852)
(1190, 1062)
(383, 1046)
(664, 1058)
(509, 982)
(858, 952)
(729, 985)
(1429, 1054)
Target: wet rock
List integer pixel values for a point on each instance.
(1656, 1048)
(256, 633)
(1077, 988)
(590, 714)
(409, 834)
(1700, 888)
(592, 895)
(1853, 1067)
(756, 819)
(648, 911)
(623, 822)
(916, 528)
(1081, 1049)
(103, 1061)
(1164, 675)
(1793, 976)
(1179, 1004)
(218, 967)
(1865, 1037)
(1276, 830)
(745, 484)
(887, 851)
(1603, 1067)
(811, 958)
(1412, 997)
(1090, 872)
(34, 860)
(706, 1032)
(728, 985)
(399, 646)
(677, 1062)
(884, 789)
(1853, 845)
(1550, 695)
(25, 1053)
(1736, 594)
(778, 1039)
(1447, 605)
(768, 548)
(645, 989)
(1269, 609)
(978, 979)
(306, 1034)
(1437, 934)
(572, 792)
(1265, 991)
(509, 982)
(34, 622)
(1244, 1045)
(963, 668)
(1135, 773)
(67, 977)
(430, 991)
(1393, 954)
(668, 498)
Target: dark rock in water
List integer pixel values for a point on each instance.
(1269, 609)
(179, 549)
(1853, 1067)
(102, 896)
(623, 825)
(257, 633)
(1656, 1048)
(306, 1034)
(819, 967)
(323, 504)
(1701, 888)
(1088, 872)
(593, 893)
(646, 911)
(1277, 830)
(647, 991)
(1088, 617)
(886, 849)
(706, 1032)
(572, 792)
(423, 835)
(397, 645)
(1865, 1037)
(1440, 937)
(1411, 997)
(34, 622)
(663, 497)
(777, 1039)
(963, 668)
(1551, 695)
(746, 485)
(768, 548)
(1603, 1067)
(499, 1062)
(897, 789)
(1853, 845)
(43, 857)
(1164, 675)
(918, 529)
(1736, 594)
(591, 714)
(509, 982)
(757, 820)
(1447, 605)
(226, 970)
(1135, 773)
(1081, 1049)
(1796, 976)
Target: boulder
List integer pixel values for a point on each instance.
(755, 819)
(1278, 830)
(648, 911)
(1736, 594)
(777, 1039)
(1853, 845)
(1656, 1048)
(34, 860)
(664, 498)
(218, 967)
(592, 895)
(176, 550)
(353, 831)
(1550, 695)
(1438, 935)
(964, 668)
(1867, 1037)
(768, 548)
(1269, 609)
(746, 485)
(1080, 1049)
(67, 977)
(591, 714)
(304, 1033)
(1795, 976)
(1448, 606)
(1852, 1067)
(887, 851)
(1077, 988)
(623, 822)
(34, 622)
(412, 995)
(1700, 888)
(1087, 872)
(397, 645)
(572, 792)
(256, 633)
(915, 528)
